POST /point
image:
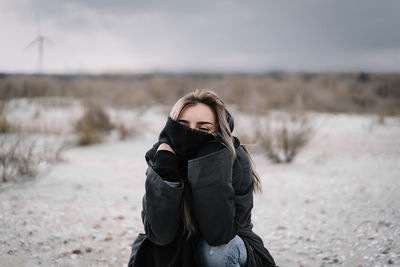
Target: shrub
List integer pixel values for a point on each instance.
(5, 126)
(93, 125)
(283, 138)
(21, 156)
(16, 161)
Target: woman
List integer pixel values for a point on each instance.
(199, 192)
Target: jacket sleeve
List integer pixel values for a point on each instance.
(161, 209)
(210, 178)
(243, 185)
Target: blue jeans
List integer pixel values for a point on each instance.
(232, 254)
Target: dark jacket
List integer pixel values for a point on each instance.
(222, 199)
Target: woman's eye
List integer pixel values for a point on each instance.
(204, 129)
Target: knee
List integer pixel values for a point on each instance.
(231, 254)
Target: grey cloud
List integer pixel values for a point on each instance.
(253, 24)
(276, 31)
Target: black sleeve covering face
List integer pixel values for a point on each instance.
(182, 139)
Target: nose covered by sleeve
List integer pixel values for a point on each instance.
(184, 141)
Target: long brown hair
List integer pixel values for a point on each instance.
(211, 99)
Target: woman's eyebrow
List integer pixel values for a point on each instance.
(199, 122)
(204, 122)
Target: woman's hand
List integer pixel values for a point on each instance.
(165, 146)
(166, 163)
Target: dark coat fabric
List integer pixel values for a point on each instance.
(222, 200)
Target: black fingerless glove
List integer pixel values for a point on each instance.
(166, 164)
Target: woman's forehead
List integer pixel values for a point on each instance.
(198, 113)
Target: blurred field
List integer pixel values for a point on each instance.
(377, 93)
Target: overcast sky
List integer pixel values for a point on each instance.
(202, 35)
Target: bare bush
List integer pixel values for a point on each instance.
(5, 126)
(16, 161)
(94, 124)
(284, 137)
(21, 156)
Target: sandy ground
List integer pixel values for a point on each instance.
(337, 204)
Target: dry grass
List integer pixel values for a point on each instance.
(16, 160)
(21, 156)
(40, 128)
(330, 92)
(5, 125)
(20, 152)
(255, 94)
(93, 125)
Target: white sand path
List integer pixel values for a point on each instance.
(336, 204)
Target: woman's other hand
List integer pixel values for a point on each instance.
(165, 146)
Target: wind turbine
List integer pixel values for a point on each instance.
(40, 39)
